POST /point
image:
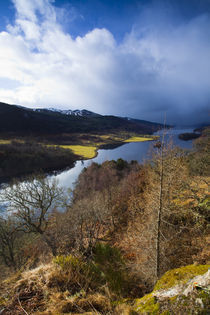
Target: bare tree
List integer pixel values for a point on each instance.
(91, 219)
(157, 221)
(32, 202)
(10, 237)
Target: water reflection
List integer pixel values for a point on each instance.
(130, 151)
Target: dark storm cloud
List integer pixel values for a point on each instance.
(162, 65)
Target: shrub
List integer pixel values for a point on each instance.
(112, 267)
(76, 274)
(106, 268)
(66, 262)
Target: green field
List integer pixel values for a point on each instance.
(88, 149)
(86, 146)
(87, 152)
(8, 141)
(139, 139)
(5, 141)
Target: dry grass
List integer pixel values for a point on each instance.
(49, 290)
(94, 303)
(123, 309)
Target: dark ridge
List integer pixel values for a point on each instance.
(189, 136)
(20, 120)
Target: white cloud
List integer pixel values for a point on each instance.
(148, 73)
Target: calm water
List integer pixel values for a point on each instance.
(130, 151)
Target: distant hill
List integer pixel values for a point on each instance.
(76, 112)
(16, 119)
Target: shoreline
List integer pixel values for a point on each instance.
(82, 150)
(109, 141)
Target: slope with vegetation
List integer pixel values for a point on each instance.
(30, 138)
(19, 120)
(114, 246)
(19, 158)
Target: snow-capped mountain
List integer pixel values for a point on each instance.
(22, 120)
(76, 112)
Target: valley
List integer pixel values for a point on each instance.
(104, 157)
(97, 241)
(106, 181)
(48, 140)
(47, 155)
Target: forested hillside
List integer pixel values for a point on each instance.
(108, 245)
(35, 140)
(19, 120)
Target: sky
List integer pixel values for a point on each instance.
(145, 59)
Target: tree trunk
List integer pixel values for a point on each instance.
(159, 214)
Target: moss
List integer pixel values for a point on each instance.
(176, 305)
(173, 299)
(148, 304)
(205, 297)
(180, 275)
(191, 303)
(3, 301)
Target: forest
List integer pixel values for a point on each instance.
(21, 157)
(110, 241)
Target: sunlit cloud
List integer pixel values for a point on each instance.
(156, 69)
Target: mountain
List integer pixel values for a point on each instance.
(16, 119)
(76, 112)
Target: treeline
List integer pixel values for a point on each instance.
(123, 227)
(19, 121)
(21, 158)
(189, 136)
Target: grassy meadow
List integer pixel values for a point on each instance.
(87, 149)
(87, 152)
(2, 141)
(83, 145)
(140, 139)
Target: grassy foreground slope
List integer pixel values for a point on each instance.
(180, 291)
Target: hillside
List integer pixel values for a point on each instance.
(20, 120)
(180, 291)
(51, 139)
(111, 260)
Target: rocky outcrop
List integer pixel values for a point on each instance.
(184, 290)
